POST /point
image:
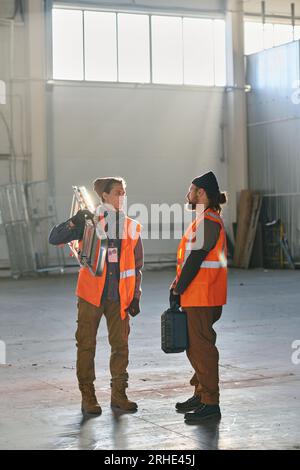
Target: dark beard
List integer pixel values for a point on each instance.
(191, 206)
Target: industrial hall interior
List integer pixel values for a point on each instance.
(150, 225)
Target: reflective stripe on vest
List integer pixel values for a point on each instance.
(214, 264)
(215, 216)
(128, 273)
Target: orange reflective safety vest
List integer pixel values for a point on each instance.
(209, 287)
(90, 287)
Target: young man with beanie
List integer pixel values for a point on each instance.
(200, 287)
(115, 294)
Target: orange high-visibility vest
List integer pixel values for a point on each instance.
(209, 287)
(90, 287)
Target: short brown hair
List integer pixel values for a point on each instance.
(105, 185)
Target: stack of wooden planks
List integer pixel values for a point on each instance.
(249, 207)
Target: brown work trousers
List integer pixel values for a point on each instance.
(89, 317)
(202, 352)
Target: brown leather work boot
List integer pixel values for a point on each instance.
(89, 404)
(119, 399)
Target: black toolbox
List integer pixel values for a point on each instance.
(174, 332)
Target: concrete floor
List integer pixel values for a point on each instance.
(260, 393)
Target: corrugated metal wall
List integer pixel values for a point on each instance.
(274, 135)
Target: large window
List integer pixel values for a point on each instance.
(167, 50)
(259, 36)
(133, 48)
(100, 46)
(68, 47)
(198, 43)
(125, 47)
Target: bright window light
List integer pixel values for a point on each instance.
(297, 33)
(67, 44)
(268, 30)
(167, 50)
(253, 37)
(198, 51)
(133, 48)
(283, 33)
(100, 46)
(219, 52)
(259, 37)
(111, 46)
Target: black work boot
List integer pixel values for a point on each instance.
(201, 413)
(188, 405)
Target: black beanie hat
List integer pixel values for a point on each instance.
(208, 181)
